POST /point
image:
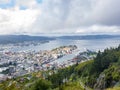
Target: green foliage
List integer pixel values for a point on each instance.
(40, 85)
(112, 74)
(71, 86)
(115, 88)
(11, 86)
(104, 59)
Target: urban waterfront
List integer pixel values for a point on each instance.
(20, 59)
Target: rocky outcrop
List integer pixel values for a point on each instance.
(101, 83)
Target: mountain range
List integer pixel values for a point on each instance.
(6, 39)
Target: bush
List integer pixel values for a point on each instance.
(41, 85)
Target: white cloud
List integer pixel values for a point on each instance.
(106, 12)
(99, 29)
(61, 16)
(16, 21)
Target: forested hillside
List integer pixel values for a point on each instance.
(11, 39)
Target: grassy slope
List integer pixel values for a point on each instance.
(115, 88)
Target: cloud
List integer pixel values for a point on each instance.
(4, 1)
(16, 21)
(106, 12)
(53, 16)
(60, 16)
(99, 29)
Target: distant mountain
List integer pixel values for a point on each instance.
(5, 39)
(88, 37)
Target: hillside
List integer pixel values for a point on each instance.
(89, 37)
(102, 73)
(6, 39)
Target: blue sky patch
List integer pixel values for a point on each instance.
(23, 7)
(8, 5)
(39, 1)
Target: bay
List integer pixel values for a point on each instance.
(93, 44)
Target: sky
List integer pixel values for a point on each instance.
(36, 17)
